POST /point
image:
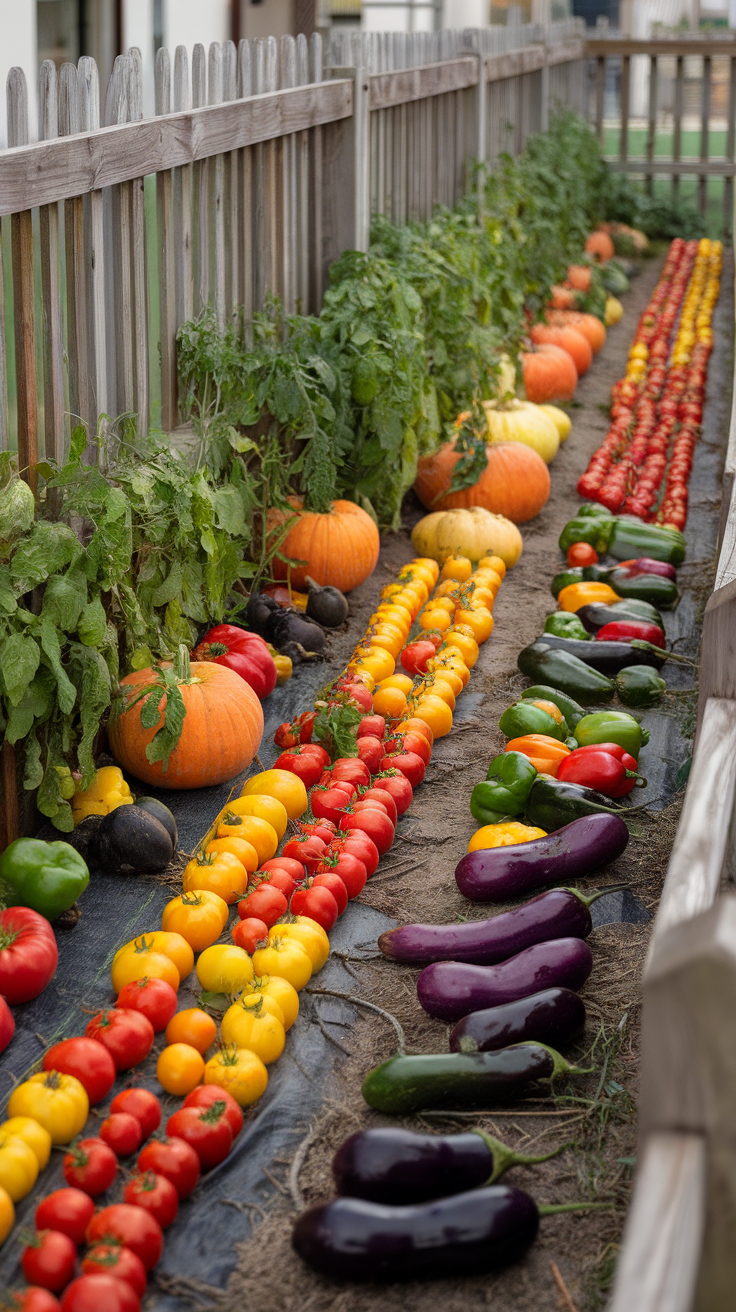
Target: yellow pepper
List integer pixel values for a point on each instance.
(504, 835)
(576, 595)
(284, 666)
(107, 791)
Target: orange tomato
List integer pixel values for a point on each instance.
(457, 567)
(479, 620)
(493, 562)
(284, 786)
(259, 832)
(218, 872)
(444, 603)
(417, 726)
(461, 638)
(435, 712)
(439, 687)
(391, 641)
(175, 947)
(379, 662)
(243, 851)
(424, 565)
(435, 617)
(483, 597)
(444, 670)
(180, 1068)
(192, 1026)
(199, 917)
(401, 681)
(389, 702)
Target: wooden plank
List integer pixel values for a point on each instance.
(302, 187)
(94, 250)
(245, 222)
(216, 193)
(74, 259)
(712, 168)
(232, 187)
(651, 118)
(53, 342)
(407, 84)
(166, 259)
(663, 46)
(182, 192)
(9, 818)
(119, 288)
(730, 151)
(139, 259)
(704, 133)
(316, 183)
(200, 246)
(21, 246)
(623, 150)
(287, 61)
(677, 113)
(4, 417)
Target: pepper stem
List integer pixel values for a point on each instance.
(505, 1157)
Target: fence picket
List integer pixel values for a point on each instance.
(166, 258)
(119, 287)
(216, 191)
(183, 199)
(139, 260)
(4, 416)
(232, 187)
(53, 342)
(21, 241)
(94, 250)
(246, 229)
(199, 197)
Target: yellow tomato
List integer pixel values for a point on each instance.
(281, 784)
(504, 835)
(312, 937)
(258, 832)
(389, 702)
(444, 603)
(401, 681)
(445, 672)
(176, 948)
(435, 617)
(238, 1071)
(493, 562)
(388, 642)
(439, 687)
(286, 957)
(33, 1134)
(180, 1068)
(224, 968)
(218, 872)
(487, 578)
(457, 567)
(483, 597)
(277, 991)
(58, 1102)
(425, 566)
(397, 613)
(479, 620)
(448, 588)
(391, 591)
(7, 1215)
(379, 662)
(199, 917)
(138, 959)
(243, 851)
(461, 637)
(449, 658)
(18, 1166)
(435, 712)
(416, 594)
(248, 1024)
(264, 808)
(192, 1027)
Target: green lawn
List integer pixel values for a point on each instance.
(689, 149)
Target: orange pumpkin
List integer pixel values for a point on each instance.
(341, 547)
(562, 298)
(549, 374)
(600, 246)
(578, 276)
(587, 324)
(515, 483)
(570, 339)
(221, 734)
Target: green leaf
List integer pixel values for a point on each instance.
(47, 549)
(171, 586)
(34, 706)
(17, 510)
(19, 659)
(62, 603)
(32, 767)
(92, 626)
(66, 692)
(166, 738)
(151, 709)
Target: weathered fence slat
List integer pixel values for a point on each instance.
(95, 249)
(139, 260)
(119, 286)
(21, 238)
(53, 342)
(166, 258)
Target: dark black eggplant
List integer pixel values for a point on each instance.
(607, 658)
(130, 839)
(290, 629)
(553, 1016)
(594, 616)
(553, 804)
(260, 613)
(162, 813)
(353, 1239)
(461, 1079)
(327, 606)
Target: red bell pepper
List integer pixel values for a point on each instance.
(606, 767)
(625, 630)
(241, 651)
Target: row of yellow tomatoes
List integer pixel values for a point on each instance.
(702, 294)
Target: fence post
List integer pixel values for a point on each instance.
(362, 156)
(21, 232)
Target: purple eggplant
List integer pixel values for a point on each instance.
(553, 1016)
(451, 989)
(402, 1167)
(560, 913)
(496, 874)
(353, 1239)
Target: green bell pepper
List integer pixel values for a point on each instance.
(565, 624)
(546, 664)
(631, 539)
(593, 510)
(570, 709)
(524, 717)
(639, 685)
(503, 793)
(612, 727)
(596, 530)
(565, 579)
(47, 877)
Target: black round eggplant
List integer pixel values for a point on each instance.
(353, 1239)
(260, 613)
(130, 839)
(497, 874)
(161, 813)
(553, 1016)
(607, 658)
(451, 989)
(327, 606)
(289, 627)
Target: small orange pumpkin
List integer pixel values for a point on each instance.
(587, 324)
(570, 339)
(549, 374)
(563, 298)
(515, 483)
(578, 276)
(600, 246)
(340, 547)
(221, 734)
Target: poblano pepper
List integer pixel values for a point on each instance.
(597, 530)
(527, 717)
(47, 877)
(639, 685)
(565, 624)
(553, 803)
(569, 708)
(612, 727)
(504, 790)
(542, 662)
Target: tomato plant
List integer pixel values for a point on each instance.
(153, 998)
(28, 954)
(48, 1260)
(207, 1094)
(156, 1194)
(88, 1061)
(91, 1165)
(206, 1129)
(142, 1104)
(122, 1133)
(131, 1226)
(67, 1210)
(175, 1159)
(127, 1035)
(118, 1261)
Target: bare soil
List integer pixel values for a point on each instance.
(595, 1116)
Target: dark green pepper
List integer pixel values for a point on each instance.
(593, 510)
(524, 717)
(598, 573)
(569, 708)
(552, 803)
(565, 579)
(546, 664)
(47, 877)
(639, 685)
(594, 616)
(652, 588)
(612, 727)
(596, 530)
(564, 624)
(503, 793)
(631, 539)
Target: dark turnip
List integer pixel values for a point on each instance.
(326, 605)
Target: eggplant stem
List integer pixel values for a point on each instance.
(589, 898)
(551, 1209)
(504, 1157)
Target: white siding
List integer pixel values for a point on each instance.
(18, 46)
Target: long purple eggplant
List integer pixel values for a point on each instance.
(560, 913)
(552, 1016)
(496, 874)
(451, 989)
(352, 1239)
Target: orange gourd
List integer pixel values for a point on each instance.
(221, 733)
(515, 482)
(587, 324)
(570, 339)
(340, 547)
(578, 276)
(600, 246)
(549, 374)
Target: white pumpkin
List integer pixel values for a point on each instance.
(522, 421)
(473, 533)
(560, 419)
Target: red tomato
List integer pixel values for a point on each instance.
(153, 998)
(122, 1132)
(92, 1293)
(7, 1024)
(127, 1035)
(317, 903)
(371, 726)
(28, 954)
(336, 886)
(67, 1210)
(580, 553)
(49, 1260)
(414, 657)
(265, 903)
(350, 770)
(305, 765)
(249, 931)
(33, 1299)
(328, 803)
(408, 763)
(314, 748)
(356, 692)
(370, 751)
(288, 734)
(309, 849)
(398, 786)
(206, 1129)
(279, 877)
(90, 1165)
(156, 1194)
(384, 797)
(375, 824)
(207, 1094)
(360, 804)
(142, 1104)
(409, 742)
(132, 1226)
(324, 829)
(175, 1159)
(361, 845)
(86, 1059)
(119, 1262)
(349, 869)
(295, 868)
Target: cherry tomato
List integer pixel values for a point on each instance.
(131, 1226)
(119, 1262)
(33, 1299)
(49, 1260)
(207, 1094)
(91, 1165)
(375, 824)
(361, 845)
(173, 1158)
(127, 1035)
(295, 868)
(266, 903)
(249, 932)
(414, 657)
(580, 553)
(156, 1194)
(371, 726)
(305, 765)
(98, 1290)
(206, 1129)
(88, 1061)
(381, 795)
(398, 786)
(336, 887)
(67, 1210)
(370, 751)
(350, 870)
(142, 1104)
(153, 998)
(317, 903)
(309, 849)
(350, 770)
(122, 1133)
(408, 764)
(410, 741)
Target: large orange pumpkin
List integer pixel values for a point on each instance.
(549, 374)
(587, 324)
(515, 483)
(340, 548)
(600, 246)
(578, 276)
(570, 339)
(221, 734)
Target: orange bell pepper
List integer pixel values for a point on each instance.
(576, 595)
(544, 753)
